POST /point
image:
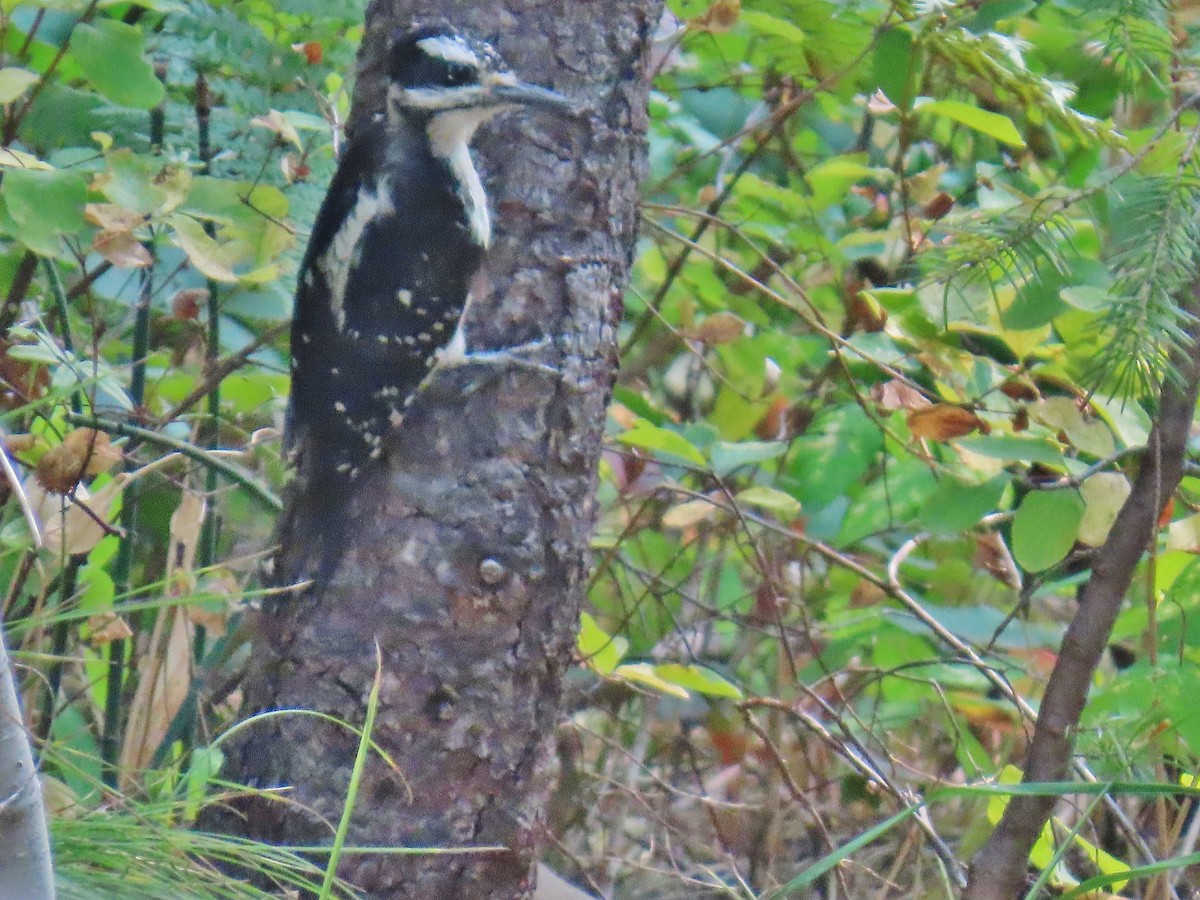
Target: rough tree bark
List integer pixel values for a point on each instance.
(998, 871)
(467, 559)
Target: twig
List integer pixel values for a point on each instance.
(867, 768)
(18, 489)
(218, 372)
(207, 458)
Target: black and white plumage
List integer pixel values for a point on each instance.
(398, 240)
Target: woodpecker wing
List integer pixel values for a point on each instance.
(383, 285)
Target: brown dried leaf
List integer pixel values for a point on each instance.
(21, 381)
(20, 443)
(992, 555)
(164, 676)
(107, 627)
(942, 422)
(866, 593)
(720, 16)
(95, 447)
(186, 523)
(82, 452)
(894, 394)
(719, 328)
(939, 206)
(623, 416)
(72, 527)
(1016, 388)
(879, 104)
(60, 800)
(293, 168)
(187, 302)
(214, 619)
(122, 249)
(113, 217)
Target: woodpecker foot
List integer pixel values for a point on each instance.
(493, 363)
(520, 357)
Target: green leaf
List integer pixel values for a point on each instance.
(1090, 435)
(144, 183)
(730, 455)
(42, 205)
(1087, 297)
(110, 53)
(765, 23)
(234, 202)
(600, 650)
(73, 739)
(662, 441)
(833, 455)
(14, 82)
(698, 679)
(1014, 447)
(831, 179)
(98, 591)
(1045, 527)
(992, 124)
(769, 498)
(956, 506)
(891, 62)
(205, 763)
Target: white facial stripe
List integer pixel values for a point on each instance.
(451, 49)
(472, 195)
(454, 128)
(441, 98)
(449, 134)
(495, 79)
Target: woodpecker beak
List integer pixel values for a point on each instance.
(510, 92)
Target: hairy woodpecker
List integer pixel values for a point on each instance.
(398, 240)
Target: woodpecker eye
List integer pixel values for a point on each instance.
(459, 75)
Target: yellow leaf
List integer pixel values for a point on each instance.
(212, 259)
(685, 515)
(643, 673)
(275, 121)
(19, 160)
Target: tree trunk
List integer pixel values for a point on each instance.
(25, 869)
(466, 560)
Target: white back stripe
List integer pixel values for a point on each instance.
(338, 259)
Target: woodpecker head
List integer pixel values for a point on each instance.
(454, 83)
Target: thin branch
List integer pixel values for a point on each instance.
(998, 869)
(218, 372)
(206, 458)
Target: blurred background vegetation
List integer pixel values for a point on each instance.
(906, 288)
